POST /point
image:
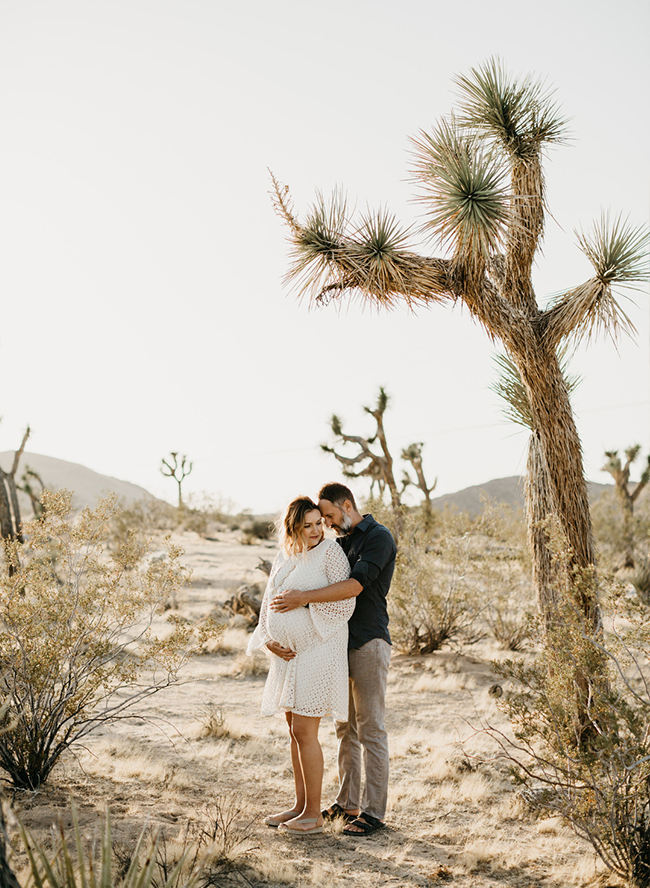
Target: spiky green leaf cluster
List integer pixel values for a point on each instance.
(464, 189)
(318, 240)
(519, 115)
(617, 251)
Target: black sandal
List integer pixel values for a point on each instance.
(337, 811)
(365, 824)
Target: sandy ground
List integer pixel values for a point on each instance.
(452, 815)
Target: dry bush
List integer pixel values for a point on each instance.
(511, 608)
(144, 517)
(246, 665)
(76, 647)
(595, 775)
(203, 515)
(610, 530)
(452, 571)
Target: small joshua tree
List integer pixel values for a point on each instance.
(378, 466)
(177, 471)
(413, 455)
(620, 472)
(32, 485)
(10, 521)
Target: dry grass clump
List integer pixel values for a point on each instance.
(247, 666)
(216, 726)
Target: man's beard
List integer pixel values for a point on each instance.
(344, 528)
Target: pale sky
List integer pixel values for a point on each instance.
(143, 309)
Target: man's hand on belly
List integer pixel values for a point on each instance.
(276, 648)
(288, 600)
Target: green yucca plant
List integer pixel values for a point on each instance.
(79, 867)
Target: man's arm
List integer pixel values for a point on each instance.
(293, 598)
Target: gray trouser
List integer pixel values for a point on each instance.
(365, 728)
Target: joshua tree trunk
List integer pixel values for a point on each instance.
(555, 473)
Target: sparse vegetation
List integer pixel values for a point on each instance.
(454, 578)
(601, 788)
(76, 647)
(459, 816)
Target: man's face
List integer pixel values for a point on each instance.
(335, 517)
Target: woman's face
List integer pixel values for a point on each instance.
(312, 529)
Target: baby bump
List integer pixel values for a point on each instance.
(293, 629)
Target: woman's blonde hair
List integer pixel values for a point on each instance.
(291, 524)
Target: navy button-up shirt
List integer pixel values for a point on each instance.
(371, 551)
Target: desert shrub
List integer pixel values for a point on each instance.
(212, 849)
(215, 725)
(509, 625)
(257, 529)
(448, 573)
(612, 533)
(76, 646)
(593, 771)
(202, 514)
(144, 517)
(511, 598)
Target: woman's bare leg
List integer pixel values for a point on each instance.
(310, 755)
(297, 769)
(299, 803)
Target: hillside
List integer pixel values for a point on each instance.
(88, 486)
(501, 490)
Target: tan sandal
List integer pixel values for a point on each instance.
(285, 829)
(275, 820)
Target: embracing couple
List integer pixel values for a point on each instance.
(325, 622)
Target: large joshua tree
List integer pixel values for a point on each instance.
(482, 191)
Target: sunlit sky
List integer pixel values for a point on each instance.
(143, 309)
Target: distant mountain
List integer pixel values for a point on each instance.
(88, 486)
(501, 490)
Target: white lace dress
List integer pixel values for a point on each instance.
(315, 682)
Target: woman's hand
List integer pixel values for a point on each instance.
(276, 648)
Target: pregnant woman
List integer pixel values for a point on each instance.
(308, 677)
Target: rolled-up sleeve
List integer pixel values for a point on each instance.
(377, 552)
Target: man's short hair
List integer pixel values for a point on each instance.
(337, 494)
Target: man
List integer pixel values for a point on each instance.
(371, 552)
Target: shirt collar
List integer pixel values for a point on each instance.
(365, 523)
